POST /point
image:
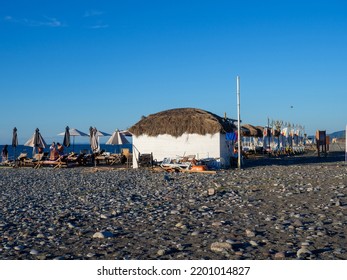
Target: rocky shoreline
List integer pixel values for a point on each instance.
(288, 208)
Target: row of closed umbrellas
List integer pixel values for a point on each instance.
(117, 138)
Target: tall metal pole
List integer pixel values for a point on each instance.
(238, 122)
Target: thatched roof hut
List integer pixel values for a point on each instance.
(176, 122)
(252, 131)
(182, 131)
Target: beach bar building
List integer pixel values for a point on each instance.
(182, 132)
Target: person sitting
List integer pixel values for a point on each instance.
(53, 152)
(60, 148)
(40, 150)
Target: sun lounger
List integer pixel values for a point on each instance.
(7, 163)
(114, 159)
(100, 158)
(78, 159)
(145, 160)
(58, 163)
(30, 162)
(20, 159)
(175, 165)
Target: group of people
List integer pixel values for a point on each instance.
(55, 151)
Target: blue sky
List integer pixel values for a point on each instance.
(107, 63)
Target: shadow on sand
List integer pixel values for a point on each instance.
(307, 158)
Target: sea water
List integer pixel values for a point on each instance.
(77, 148)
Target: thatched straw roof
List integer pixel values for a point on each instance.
(252, 131)
(176, 122)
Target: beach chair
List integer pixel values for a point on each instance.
(20, 159)
(128, 156)
(189, 159)
(145, 160)
(175, 165)
(58, 163)
(31, 162)
(114, 159)
(77, 159)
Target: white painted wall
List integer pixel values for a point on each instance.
(202, 146)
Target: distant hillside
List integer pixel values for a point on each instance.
(338, 134)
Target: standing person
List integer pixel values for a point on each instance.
(4, 153)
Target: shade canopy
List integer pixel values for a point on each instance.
(100, 133)
(126, 133)
(74, 132)
(117, 138)
(36, 140)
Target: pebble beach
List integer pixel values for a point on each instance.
(285, 208)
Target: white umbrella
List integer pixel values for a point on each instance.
(36, 141)
(100, 133)
(74, 132)
(126, 133)
(117, 138)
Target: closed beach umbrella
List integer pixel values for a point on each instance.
(14, 138)
(36, 141)
(98, 134)
(14, 141)
(117, 138)
(94, 143)
(37, 138)
(66, 141)
(74, 132)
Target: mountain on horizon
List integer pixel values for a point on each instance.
(338, 134)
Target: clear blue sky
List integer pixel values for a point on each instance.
(107, 63)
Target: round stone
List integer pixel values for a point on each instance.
(219, 247)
